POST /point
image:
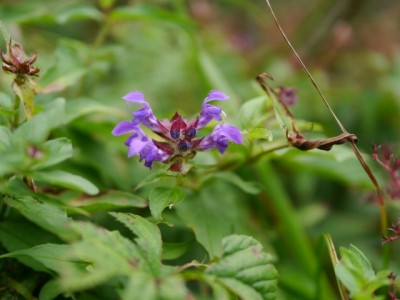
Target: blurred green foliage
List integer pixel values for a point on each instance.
(211, 228)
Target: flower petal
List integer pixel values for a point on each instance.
(123, 127)
(135, 96)
(232, 133)
(215, 95)
(208, 111)
(136, 145)
(220, 138)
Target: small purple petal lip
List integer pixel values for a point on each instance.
(215, 95)
(220, 137)
(123, 127)
(135, 96)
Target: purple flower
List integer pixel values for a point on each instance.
(145, 114)
(220, 138)
(178, 136)
(208, 111)
(287, 96)
(139, 143)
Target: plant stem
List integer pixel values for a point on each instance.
(15, 120)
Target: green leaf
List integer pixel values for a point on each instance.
(162, 197)
(5, 138)
(245, 269)
(152, 178)
(175, 250)
(253, 112)
(355, 271)
(68, 68)
(259, 134)
(79, 12)
(109, 201)
(148, 238)
(50, 290)
(36, 130)
(54, 152)
(212, 212)
(104, 253)
(6, 104)
(22, 234)
(45, 215)
(141, 286)
(247, 187)
(149, 13)
(67, 180)
(48, 255)
(82, 106)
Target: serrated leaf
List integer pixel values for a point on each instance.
(141, 286)
(36, 130)
(47, 216)
(162, 197)
(212, 213)
(104, 253)
(67, 180)
(148, 238)
(245, 268)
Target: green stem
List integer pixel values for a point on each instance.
(293, 233)
(15, 120)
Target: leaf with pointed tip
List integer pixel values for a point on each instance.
(108, 201)
(162, 197)
(67, 180)
(355, 271)
(36, 130)
(148, 238)
(245, 269)
(45, 215)
(105, 254)
(54, 152)
(48, 256)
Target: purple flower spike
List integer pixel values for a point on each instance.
(208, 111)
(179, 137)
(220, 138)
